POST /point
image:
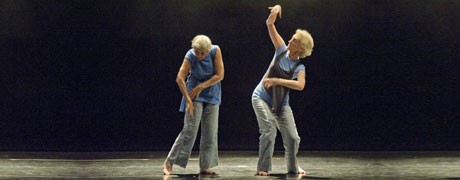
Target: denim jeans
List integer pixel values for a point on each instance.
(268, 125)
(180, 152)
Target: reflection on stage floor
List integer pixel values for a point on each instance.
(233, 165)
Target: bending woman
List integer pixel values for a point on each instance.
(201, 99)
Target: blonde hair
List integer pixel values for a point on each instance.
(202, 42)
(306, 41)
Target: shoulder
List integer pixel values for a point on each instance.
(214, 50)
(299, 68)
(280, 49)
(190, 52)
(190, 55)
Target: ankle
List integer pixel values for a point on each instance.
(263, 173)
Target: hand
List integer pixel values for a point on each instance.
(196, 91)
(276, 10)
(189, 109)
(269, 82)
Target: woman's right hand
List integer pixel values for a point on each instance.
(189, 108)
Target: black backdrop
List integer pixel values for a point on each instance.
(100, 75)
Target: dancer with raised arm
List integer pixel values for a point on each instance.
(270, 98)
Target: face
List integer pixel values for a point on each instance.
(294, 43)
(200, 53)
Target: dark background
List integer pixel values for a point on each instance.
(83, 75)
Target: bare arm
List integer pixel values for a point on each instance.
(180, 80)
(298, 84)
(274, 35)
(217, 77)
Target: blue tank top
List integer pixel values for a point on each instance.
(286, 64)
(200, 72)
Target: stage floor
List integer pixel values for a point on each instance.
(233, 165)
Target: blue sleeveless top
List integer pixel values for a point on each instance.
(286, 64)
(200, 72)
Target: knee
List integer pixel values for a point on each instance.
(269, 131)
(268, 134)
(190, 128)
(294, 140)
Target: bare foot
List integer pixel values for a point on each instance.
(263, 173)
(207, 172)
(167, 168)
(301, 171)
(167, 177)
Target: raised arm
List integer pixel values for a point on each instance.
(274, 35)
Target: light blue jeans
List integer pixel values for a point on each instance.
(181, 150)
(269, 122)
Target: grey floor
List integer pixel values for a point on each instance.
(233, 165)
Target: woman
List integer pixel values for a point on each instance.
(270, 98)
(201, 99)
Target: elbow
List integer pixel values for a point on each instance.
(220, 77)
(301, 87)
(269, 23)
(179, 80)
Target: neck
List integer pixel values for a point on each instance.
(293, 55)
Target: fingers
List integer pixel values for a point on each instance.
(276, 10)
(267, 83)
(273, 9)
(190, 109)
(194, 93)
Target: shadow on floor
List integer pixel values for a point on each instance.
(272, 176)
(295, 176)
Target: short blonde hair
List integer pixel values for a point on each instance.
(306, 41)
(201, 42)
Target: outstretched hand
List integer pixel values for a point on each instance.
(276, 10)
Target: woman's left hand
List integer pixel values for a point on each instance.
(269, 82)
(196, 91)
(276, 10)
